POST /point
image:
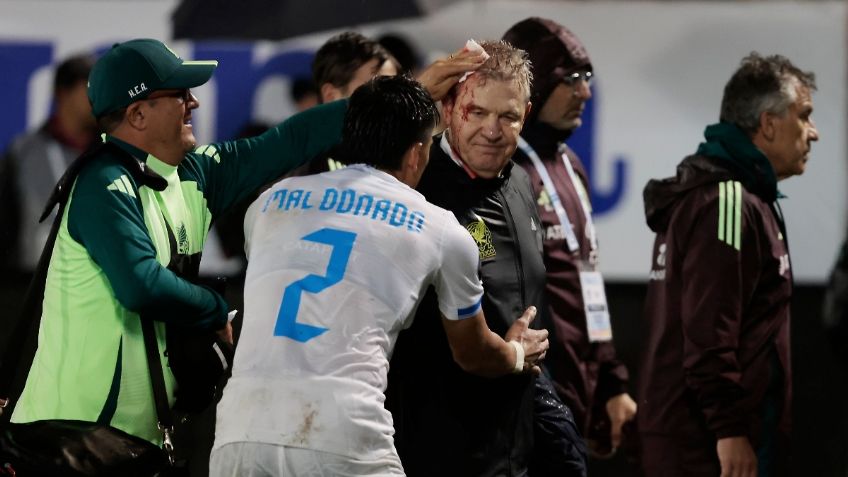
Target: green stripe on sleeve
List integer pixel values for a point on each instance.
(737, 221)
(721, 198)
(128, 185)
(728, 238)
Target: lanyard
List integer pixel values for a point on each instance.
(556, 202)
(585, 202)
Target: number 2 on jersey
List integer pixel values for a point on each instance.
(287, 325)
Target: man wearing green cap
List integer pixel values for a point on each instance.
(135, 223)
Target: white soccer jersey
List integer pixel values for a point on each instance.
(337, 264)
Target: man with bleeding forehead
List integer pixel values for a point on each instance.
(485, 115)
(476, 426)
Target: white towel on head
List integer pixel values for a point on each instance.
(472, 45)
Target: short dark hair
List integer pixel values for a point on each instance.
(402, 50)
(108, 122)
(762, 84)
(384, 118)
(339, 58)
(72, 71)
(302, 87)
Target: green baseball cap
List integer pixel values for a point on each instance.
(130, 71)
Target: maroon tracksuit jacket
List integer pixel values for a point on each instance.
(585, 374)
(716, 360)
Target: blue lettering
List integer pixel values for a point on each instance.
(329, 200)
(416, 222)
(279, 196)
(306, 204)
(363, 198)
(287, 324)
(398, 215)
(294, 199)
(382, 208)
(346, 202)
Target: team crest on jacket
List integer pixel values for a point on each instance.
(483, 237)
(182, 240)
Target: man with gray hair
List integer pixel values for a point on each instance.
(715, 393)
(447, 421)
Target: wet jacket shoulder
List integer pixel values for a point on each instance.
(449, 422)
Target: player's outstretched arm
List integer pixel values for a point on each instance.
(478, 350)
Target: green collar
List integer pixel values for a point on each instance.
(728, 143)
(134, 151)
(152, 161)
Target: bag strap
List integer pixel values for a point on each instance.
(160, 394)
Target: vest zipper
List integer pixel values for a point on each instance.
(519, 268)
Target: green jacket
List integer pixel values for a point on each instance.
(108, 266)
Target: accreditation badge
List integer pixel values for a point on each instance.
(595, 305)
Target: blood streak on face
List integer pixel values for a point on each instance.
(466, 107)
(484, 121)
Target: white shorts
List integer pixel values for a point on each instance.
(254, 459)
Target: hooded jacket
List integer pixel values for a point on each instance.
(585, 374)
(555, 53)
(717, 361)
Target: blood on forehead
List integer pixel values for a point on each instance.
(465, 96)
(466, 106)
(490, 95)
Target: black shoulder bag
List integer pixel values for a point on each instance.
(59, 447)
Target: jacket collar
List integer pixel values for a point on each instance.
(732, 147)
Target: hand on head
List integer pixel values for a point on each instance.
(443, 74)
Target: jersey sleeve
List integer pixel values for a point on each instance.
(717, 254)
(250, 220)
(457, 282)
(231, 171)
(110, 225)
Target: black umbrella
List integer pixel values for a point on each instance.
(280, 19)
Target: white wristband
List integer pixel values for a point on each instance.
(519, 356)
